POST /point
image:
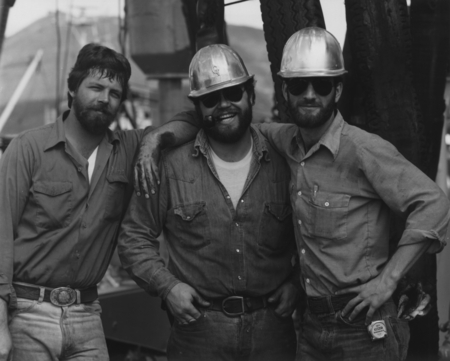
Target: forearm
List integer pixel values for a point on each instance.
(182, 128)
(15, 183)
(138, 247)
(402, 261)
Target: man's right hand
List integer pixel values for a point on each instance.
(180, 301)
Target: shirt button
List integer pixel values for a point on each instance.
(302, 164)
(303, 251)
(327, 204)
(237, 250)
(228, 197)
(188, 217)
(299, 222)
(299, 193)
(237, 224)
(239, 277)
(308, 281)
(79, 169)
(242, 201)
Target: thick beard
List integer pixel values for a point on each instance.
(310, 121)
(232, 136)
(92, 121)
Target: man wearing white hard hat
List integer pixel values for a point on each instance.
(223, 206)
(344, 184)
(346, 181)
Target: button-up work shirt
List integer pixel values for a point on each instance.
(56, 228)
(213, 247)
(342, 191)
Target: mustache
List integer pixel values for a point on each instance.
(210, 121)
(303, 103)
(101, 108)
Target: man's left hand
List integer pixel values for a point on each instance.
(287, 297)
(372, 294)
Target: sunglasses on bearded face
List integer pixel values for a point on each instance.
(232, 94)
(322, 86)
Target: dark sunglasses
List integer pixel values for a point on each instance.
(322, 86)
(232, 94)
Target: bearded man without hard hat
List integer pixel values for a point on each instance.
(223, 205)
(344, 183)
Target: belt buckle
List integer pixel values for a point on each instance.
(63, 296)
(233, 314)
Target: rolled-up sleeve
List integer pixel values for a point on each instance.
(138, 244)
(15, 181)
(409, 193)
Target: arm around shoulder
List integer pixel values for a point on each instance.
(182, 128)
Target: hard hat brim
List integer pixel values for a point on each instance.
(311, 73)
(222, 85)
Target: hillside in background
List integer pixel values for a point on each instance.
(37, 103)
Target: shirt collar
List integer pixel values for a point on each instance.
(330, 139)
(57, 134)
(201, 144)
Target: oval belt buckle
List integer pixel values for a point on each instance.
(63, 296)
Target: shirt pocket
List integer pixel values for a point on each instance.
(54, 204)
(329, 215)
(191, 225)
(115, 196)
(276, 229)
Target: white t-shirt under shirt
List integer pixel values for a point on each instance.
(233, 174)
(91, 163)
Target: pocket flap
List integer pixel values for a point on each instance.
(280, 210)
(189, 211)
(114, 177)
(331, 200)
(52, 188)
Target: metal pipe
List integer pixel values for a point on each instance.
(20, 88)
(236, 2)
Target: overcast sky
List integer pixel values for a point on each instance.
(24, 12)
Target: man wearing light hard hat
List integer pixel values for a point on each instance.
(344, 183)
(223, 205)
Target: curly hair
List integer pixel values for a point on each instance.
(94, 58)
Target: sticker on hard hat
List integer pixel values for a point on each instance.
(377, 330)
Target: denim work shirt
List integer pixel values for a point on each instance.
(342, 191)
(216, 249)
(57, 229)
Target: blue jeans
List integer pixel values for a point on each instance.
(333, 337)
(256, 336)
(41, 331)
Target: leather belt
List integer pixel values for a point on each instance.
(238, 305)
(328, 304)
(61, 296)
